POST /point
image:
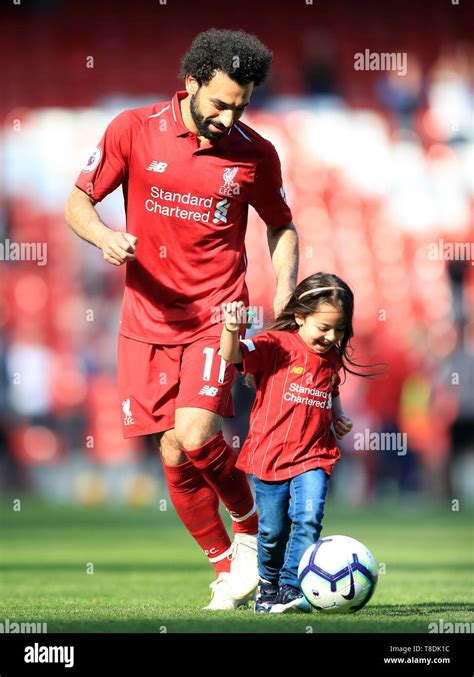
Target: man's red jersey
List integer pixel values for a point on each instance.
(290, 423)
(188, 206)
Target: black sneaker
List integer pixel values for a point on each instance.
(290, 599)
(267, 594)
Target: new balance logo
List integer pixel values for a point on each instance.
(209, 390)
(156, 166)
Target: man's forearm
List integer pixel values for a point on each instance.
(81, 216)
(117, 247)
(337, 407)
(283, 245)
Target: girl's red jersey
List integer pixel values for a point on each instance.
(290, 423)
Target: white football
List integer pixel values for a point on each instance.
(338, 574)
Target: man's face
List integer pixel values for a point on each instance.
(215, 107)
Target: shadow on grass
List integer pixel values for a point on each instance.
(250, 624)
(419, 609)
(429, 567)
(377, 619)
(187, 566)
(109, 567)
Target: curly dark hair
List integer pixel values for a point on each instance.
(238, 54)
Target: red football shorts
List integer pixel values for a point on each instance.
(154, 380)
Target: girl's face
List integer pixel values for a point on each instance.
(322, 329)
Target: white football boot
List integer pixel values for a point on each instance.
(221, 599)
(243, 568)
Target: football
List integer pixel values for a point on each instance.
(338, 574)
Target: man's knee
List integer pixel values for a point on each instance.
(170, 451)
(193, 439)
(191, 435)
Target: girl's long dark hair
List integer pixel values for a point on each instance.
(325, 288)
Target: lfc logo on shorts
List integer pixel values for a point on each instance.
(128, 418)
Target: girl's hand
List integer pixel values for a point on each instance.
(342, 426)
(235, 314)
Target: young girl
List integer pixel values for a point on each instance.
(291, 447)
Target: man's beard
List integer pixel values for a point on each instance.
(202, 125)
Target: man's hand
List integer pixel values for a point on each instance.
(342, 426)
(117, 247)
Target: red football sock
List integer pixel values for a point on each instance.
(198, 507)
(216, 460)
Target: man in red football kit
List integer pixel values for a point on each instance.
(188, 173)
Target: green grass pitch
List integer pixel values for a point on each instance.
(149, 575)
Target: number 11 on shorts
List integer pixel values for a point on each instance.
(206, 376)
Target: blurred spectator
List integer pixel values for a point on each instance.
(402, 95)
(319, 63)
(451, 94)
(393, 468)
(455, 380)
(29, 367)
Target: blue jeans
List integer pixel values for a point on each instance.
(290, 513)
